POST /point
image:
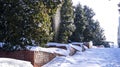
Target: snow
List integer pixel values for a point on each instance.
(60, 51)
(95, 57)
(76, 43)
(1, 44)
(8, 62)
(85, 47)
(55, 44)
(94, 46)
(76, 47)
(49, 50)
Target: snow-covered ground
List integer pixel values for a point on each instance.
(7, 62)
(95, 57)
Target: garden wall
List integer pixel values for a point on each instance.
(37, 58)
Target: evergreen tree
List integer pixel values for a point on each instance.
(87, 29)
(93, 31)
(98, 34)
(88, 32)
(66, 25)
(26, 22)
(80, 23)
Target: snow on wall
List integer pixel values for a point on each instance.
(56, 50)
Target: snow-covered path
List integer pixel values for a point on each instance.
(99, 57)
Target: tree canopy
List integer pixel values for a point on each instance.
(67, 20)
(26, 22)
(29, 22)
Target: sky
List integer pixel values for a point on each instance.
(106, 13)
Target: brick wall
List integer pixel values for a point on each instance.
(41, 58)
(37, 58)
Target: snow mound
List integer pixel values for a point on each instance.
(8, 62)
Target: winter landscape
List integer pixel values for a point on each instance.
(94, 57)
(59, 33)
